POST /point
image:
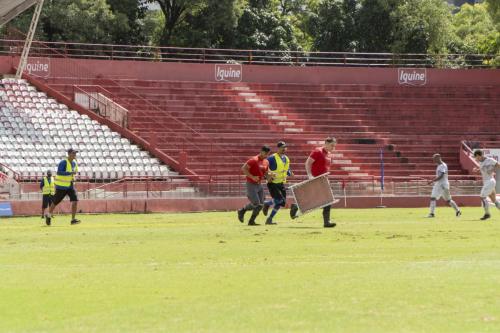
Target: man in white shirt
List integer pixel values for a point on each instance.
(487, 166)
(441, 187)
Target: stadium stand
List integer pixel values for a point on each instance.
(408, 124)
(35, 132)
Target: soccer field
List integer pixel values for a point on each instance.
(385, 270)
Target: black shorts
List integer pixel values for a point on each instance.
(277, 191)
(61, 193)
(46, 200)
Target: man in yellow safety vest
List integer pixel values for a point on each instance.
(279, 166)
(48, 190)
(64, 182)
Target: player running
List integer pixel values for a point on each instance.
(279, 165)
(441, 187)
(487, 166)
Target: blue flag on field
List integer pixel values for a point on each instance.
(382, 169)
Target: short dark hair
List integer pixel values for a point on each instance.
(265, 149)
(330, 139)
(478, 152)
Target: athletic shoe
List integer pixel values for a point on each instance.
(485, 217)
(75, 221)
(265, 209)
(329, 224)
(431, 215)
(458, 213)
(48, 220)
(270, 221)
(241, 214)
(293, 211)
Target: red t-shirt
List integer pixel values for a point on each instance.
(322, 160)
(257, 166)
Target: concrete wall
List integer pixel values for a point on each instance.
(25, 208)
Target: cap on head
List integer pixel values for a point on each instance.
(281, 144)
(71, 151)
(478, 152)
(265, 149)
(49, 172)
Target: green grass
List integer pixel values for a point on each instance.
(386, 270)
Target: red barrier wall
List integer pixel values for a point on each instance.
(145, 70)
(24, 208)
(6, 65)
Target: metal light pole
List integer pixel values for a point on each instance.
(27, 44)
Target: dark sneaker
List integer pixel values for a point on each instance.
(458, 213)
(485, 217)
(431, 215)
(253, 223)
(75, 221)
(48, 220)
(241, 214)
(329, 225)
(270, 221)
(265, 209)
(293, 211)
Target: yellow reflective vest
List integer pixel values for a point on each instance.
(48, 188)
(281, 169)
(66, 181)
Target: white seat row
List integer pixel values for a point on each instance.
(35, 132)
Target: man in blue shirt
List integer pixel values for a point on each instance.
(64, 182)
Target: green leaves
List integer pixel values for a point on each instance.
(399, 26)
(266, 30)
(421, 26)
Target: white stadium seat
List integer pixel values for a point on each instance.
(43, 129)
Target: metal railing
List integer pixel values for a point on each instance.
(262, 57)
(96, 98)
(234, 186)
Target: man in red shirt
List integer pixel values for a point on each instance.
(255, 169)
(318, 163)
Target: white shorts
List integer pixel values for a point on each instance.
(440, 190)
(488, 187)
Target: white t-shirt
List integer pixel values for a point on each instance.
(442, 169)
(487, 167)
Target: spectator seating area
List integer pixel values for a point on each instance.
(36, 131)
(219, 125)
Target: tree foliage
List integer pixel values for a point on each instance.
(261, 27)
(212, 25)
(334, 27)
(375, 25)
(174, 12)
(421, 26)
(401, 26)
(134, 12)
